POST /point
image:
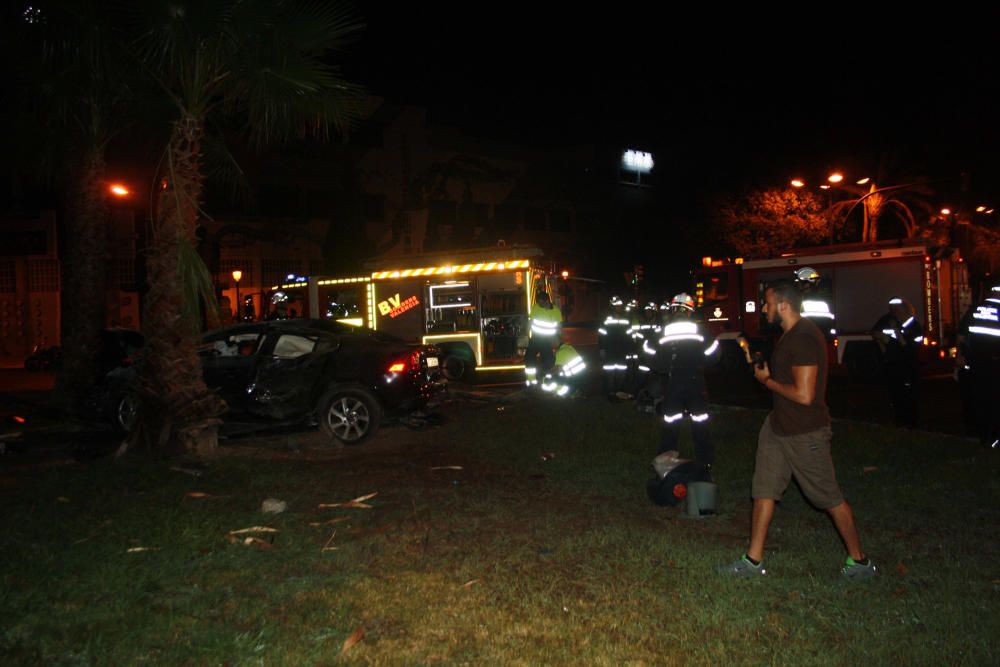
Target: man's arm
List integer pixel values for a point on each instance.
(803, 391)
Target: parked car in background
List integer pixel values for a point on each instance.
(345, 378)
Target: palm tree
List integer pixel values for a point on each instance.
(896, 203)
(265, 64)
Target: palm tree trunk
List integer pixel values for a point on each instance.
(179, 413)
(84, 281)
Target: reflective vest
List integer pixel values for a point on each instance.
(682, 347)
(545, 321)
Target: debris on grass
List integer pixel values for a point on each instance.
(902, 569)
(339, 519)
(471, 583)
(135, 550)
(327, 547)
(62, 499)
(870, 469)
(188, 471)
(357, 503)
(447, 468)
(548, 456)
(257, 542)
(273, 506)
(198, 494)
(254, 529)
(355, 637)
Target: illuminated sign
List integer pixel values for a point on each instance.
(639, 161)
(751, 306)
(394, 306)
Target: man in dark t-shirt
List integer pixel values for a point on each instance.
(795, 437)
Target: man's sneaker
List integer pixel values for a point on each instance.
(742, 568)
(854, 571)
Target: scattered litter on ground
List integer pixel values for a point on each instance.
(339, 519)
(446, 468)
(355, 637)
(273, 506)
(548, 456)
(135, 550)
(188, 471)
(870, 469)
(357, 503)
(327, 547)
(471, 583)
(254, 529)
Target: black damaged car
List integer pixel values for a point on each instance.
(296, 371)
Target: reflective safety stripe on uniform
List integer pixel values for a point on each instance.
(646, 348)
(703, 417)
(680, 331)
(615, 367)
(544, 327)
(573, 367)
(712, 348)
(530, 375)
(817, 309)
(644, 369)
(670, 419)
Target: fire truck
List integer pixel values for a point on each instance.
(472, 305)
(855, 282)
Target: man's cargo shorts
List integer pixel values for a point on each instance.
(806, 456)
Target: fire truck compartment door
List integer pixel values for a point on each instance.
(862, 291)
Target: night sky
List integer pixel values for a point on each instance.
(724, 100)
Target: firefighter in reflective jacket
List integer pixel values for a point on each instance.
(565, 378)
(899, 336)
(979, 358)
(681, 355)
(615, 343)
(544, 330)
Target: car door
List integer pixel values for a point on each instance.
(229, 361)
(290, 372)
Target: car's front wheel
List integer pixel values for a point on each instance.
(349, 414)
(126, 412)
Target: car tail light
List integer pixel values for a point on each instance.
(411, 360)
(19, 419)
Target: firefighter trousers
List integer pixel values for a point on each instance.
(539, 356)
(687, 394)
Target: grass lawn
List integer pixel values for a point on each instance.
(511, 559)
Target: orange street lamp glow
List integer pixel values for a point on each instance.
(980, 209)
(237, 275)
(863, 181)
(946, 211)
(824, 187)
(989, 211)
(798, 183)
(565, 274)
(835, 178)
(119, 190)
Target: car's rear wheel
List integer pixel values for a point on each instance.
(349, 414)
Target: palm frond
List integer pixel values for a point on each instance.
(197, 290)
(222, 168)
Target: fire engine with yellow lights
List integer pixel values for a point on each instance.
(854, 282)
(472, 305)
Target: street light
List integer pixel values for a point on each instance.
(237, 274)
(835, 177)
(798, 182)
(118, 190)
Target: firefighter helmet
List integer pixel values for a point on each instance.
(807, 274)
(682, 301)
(616, 300)
(632, 305)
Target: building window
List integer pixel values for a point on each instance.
(43, 275)
(126, 274)
(8, 277)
